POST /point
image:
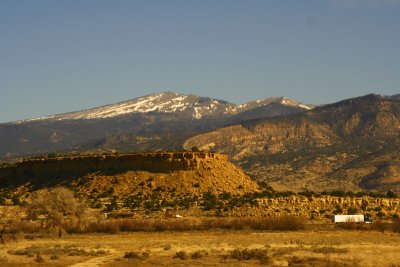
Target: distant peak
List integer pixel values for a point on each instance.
(288, 102)
(170, 102)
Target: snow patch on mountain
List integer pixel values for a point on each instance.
(288, 102)
(169, 102)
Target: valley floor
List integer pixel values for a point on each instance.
(310, 247)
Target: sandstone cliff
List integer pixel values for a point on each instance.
(184, 173)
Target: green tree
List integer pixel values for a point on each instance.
(352, 211)
(16, 200)
(391, 194)
(3, 200)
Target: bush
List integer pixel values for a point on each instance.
(352, 211)
(136, 255)
(338, 210)
(196, 255)
(16, 200)
(351, 226)
(225, 196)
(396, 226)
(380, 214)
(287, 223)
(250, 254)
(297, 261)
(3, 200)
(380, 226)
(391, 194)
(39, 258)
(328, 249)
(306, 193)
(181, 255)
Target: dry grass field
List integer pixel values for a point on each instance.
(309, 247)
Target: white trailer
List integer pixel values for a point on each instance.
(358, 218)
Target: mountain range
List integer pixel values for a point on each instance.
(151, 123)
(349, 145)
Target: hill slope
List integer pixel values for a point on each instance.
(166, 173)
(318, 149)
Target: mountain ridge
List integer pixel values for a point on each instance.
(156, 122)
(353, 144)
(168, 102)
(317, 149)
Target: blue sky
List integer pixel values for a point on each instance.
(61, 56)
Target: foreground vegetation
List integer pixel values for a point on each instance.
(211, 248)
(58, 210)
(55, 228)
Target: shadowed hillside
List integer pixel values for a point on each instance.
(329, 147)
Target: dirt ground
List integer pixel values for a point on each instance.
(210, 248)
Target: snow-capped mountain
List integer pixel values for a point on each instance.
(159, 121)
(169, 102)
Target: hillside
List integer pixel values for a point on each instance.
(352, 145)
(157, 122)
(184, 173)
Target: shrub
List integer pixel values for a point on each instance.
(250, 254)
(351, 225)
(352, 210)
(338, 210)
(225, 195)
(196, 255)
(380, 214)
(110, 227)
(286, 222)
(297, 261)
(380, 226)
(167, 247)
(181, 255)
(361, 194)
(396, 226)
(131, 255)
(3, 200)
(39, 258)
(391, 194)
(306, 193)
(328, 249)
(16, 200)
(136, 255)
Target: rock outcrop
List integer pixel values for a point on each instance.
(183, 172)
(323, 207)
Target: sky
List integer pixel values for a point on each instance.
(69, 55)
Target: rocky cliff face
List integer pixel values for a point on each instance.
(322, 207)
(240, 141)
(320, 149)
(182, 172)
